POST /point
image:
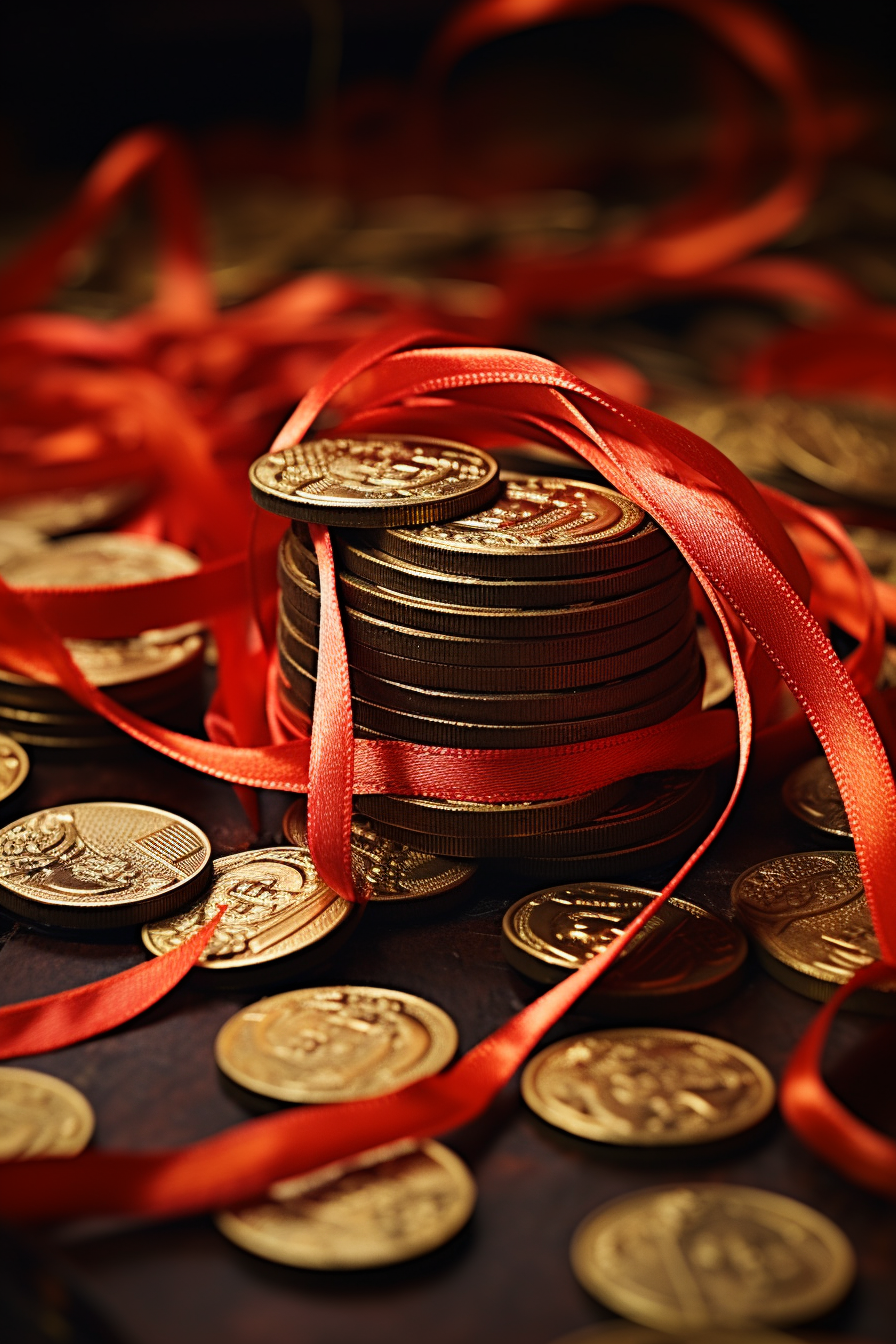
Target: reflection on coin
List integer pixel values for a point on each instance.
(14, 766)
(40, 1116)
(445, 817)
(392, 871)
(811, 793)
(648, 1087)
(811, 923)
(335, 1044)
(374, 481)
(101, 865)
(683, 956)
(719, 683)
(58, 511)
(389, 1205)
(694, 1256)
(99, 558)
(276, 906)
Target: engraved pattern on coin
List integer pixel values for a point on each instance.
(335, 1044)
(14, 766)
(811, 793)
(276, 905)
(390, 1205)
(698, 1256)
(40, 1116)
(648, 1086)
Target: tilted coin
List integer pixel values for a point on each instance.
(336, 1043)
(374, 481)
(847, 448)
(277, 907)
(389, 1205)
(14, 766)
(811, 793)
(41, 1116)
(391, 871)
(101, 865)
(73, 510)
(538, 526)
(811, 924)
(738, 426)
(443, 816)
(99, 558)
(683, 958)
(695, 1256)
(648, 1087)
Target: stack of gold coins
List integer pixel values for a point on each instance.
(557, 614)
(158, 673)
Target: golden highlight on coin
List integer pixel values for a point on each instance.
(648, 1087)
(389, 1205)
(374, 480)
(41, 1116)
(697, 1256)
(277, 907)
(101, 865)
(14, 765)
(811, 794)
(336, 1043)
(624, 1332)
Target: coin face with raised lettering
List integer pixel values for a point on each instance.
(648, 1087)
(277, 905)
(14, 765)
(374, 480)
(389, 1205)
(698, 1256)
(335, 1043)
(811, 793)
(41, 1116)
(101, 865)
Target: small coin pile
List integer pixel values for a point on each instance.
(557, 614)
(157, 673)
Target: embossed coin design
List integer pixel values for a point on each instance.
(648, 1087)
(101, 865)
(683, 957)
(374, 481)
(277, 906)
(695, 1256)
(335, 1044)
(40, 1116)
(811, 793)
(811, 924)
(14, 766)
(389, 1205)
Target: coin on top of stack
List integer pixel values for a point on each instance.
(157, 673)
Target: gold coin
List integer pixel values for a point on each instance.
(811, 793)
(18, 539)
(648, 1087)
(465, 820)
(808, 915)
(276, 906)
(336, 1043)
(40, 1116)
(101, 865)
(389, 1205)
(107, 558)
(698, 1256)
(392, 871)
(374, 481)
(877, 549)
(624, 1332)
(14, 766)
(538, 527)
(719, 683)
(684, 957)
(56, 512)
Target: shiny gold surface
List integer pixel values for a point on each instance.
(623, 1332)
(704, 1255)
(99, 558)
(648, 1087)
(811, 793)
(445, 817)
(719, 682)
(335, 1043)
(14, 765)
(100, 864)
(40, 1116)
(390, 1205)
(276, 905)
(56, 512)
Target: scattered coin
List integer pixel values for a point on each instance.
(374, 481)
(389, 1205)
(101, 865)
(336, 1043)
(648, 1087)
(683, 958)
(697, 1256)
(74, 510)
(812, 927)
(40, 1116)
(14, 766)
(99, 558)
(811, 793)
(277, 907)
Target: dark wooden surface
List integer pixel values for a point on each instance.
(507, 1277)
